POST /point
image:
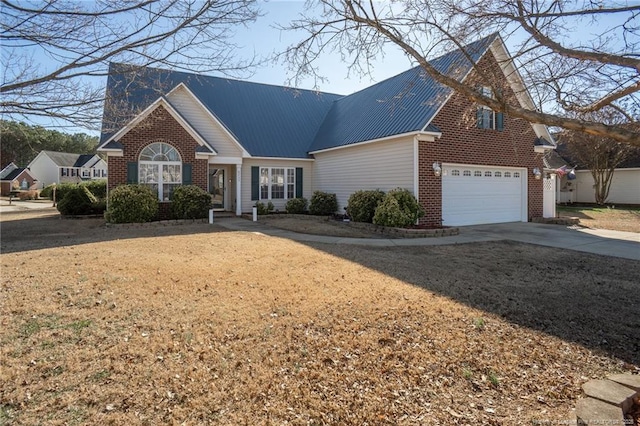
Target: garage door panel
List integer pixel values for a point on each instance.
(477, 198)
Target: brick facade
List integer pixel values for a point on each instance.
(159, 126)
(463, 143)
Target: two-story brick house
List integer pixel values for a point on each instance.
(246, 142)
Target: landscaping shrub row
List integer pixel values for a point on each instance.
(138, 203)
(397, 208)
(83, 198)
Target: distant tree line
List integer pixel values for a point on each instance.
(21, 142)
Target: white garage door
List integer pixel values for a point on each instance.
(473, 195)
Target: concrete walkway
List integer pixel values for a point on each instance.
(609, 243)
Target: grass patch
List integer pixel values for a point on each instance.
(34, 324)
(79, 325)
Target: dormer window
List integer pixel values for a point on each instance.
(486, 117)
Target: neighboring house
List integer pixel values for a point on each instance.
(247, 142)
(14, 178)
(625, 183)
(60, 167)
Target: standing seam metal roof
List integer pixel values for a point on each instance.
(275, 121)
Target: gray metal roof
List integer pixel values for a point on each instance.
(276, 121)
(268, 121)
(401, 104)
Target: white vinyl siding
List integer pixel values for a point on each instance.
(379, 165)
(307, 172)
(202, 122)
(625, 187)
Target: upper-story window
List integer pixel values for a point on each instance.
(485, 116)
(160, 167)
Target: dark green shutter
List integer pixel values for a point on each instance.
(186, 174)
(298, 182)
(499, 121)
(479, 116)
(132, 173)
(255, 183)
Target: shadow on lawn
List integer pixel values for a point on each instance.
(588, 299)
(50, 231)
(579, 297)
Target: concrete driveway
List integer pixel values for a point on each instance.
(17, 205)
(608, 243)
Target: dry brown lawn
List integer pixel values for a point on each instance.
(193, 324)
(618, 219)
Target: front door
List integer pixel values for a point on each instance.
(217, 187)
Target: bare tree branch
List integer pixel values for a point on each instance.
(55, 54)
(564, 76)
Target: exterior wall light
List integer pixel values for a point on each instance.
(437, 170)
(537, 173)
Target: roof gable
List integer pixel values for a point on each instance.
(268, 121)
(161, 102)
(401, 104)
(16, 173)
(7, 169)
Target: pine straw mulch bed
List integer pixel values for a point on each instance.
(194, 325)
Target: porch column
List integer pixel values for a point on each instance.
(238, 189)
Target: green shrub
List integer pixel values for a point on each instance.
(132, 204)
(323, 203)
(296, 205)
(63, 188)
(399, 209)
(264, 209)
(362, 205)
(47, 192)
(76, 201)
(97, 188)
(190, 202)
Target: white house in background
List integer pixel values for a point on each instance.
(625, 184)
(60, 167)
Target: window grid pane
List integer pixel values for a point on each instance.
(291, 183)
(277, 183)
(264, 183)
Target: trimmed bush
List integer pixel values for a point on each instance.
(97, 188)
(132, 204)
(323, 203)
(76, 201)
(296, 205)
(398, 209)
(63, 188)
(362, 205)
(47, 192)
(190, 202)
(264, 209)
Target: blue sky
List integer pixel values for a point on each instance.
(264, 39)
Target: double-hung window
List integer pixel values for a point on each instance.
(277, 183)
(160, 168)
(486, 117)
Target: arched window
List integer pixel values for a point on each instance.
(160, 167)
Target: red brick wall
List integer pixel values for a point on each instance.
(159, 126)
(462, 142)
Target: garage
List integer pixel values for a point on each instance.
(473, 195)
